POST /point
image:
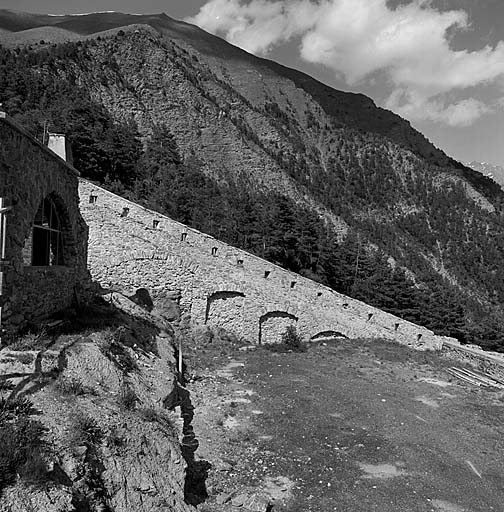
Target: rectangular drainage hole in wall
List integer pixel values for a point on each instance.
(183, 237)
(214, 251)
(267, 273)
(93, 199)
(293, 283)
(155, 224)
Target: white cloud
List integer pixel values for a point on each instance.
(457, 114)
(258, 25)
(409, 45)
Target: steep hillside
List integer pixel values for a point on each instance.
(318, 180)
(86, 416)
(230, 63)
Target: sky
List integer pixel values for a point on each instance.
(438, 63)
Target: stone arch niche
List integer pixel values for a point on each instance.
(273, 324)
(327, 335)
(225, 309)
(50, 240)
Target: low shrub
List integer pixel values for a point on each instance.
(30, 341)
(150, 414)
(86, 431)
(71, 386)
(158, 416)
(291, 342)
(22, 441)
(13, 407)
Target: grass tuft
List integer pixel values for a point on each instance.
(86, 431)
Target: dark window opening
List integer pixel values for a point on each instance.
(370, 315)
(267, 273)
(319, 294)
(396, 327)
(155, 224)
(183, 237)
(125, 212)
(240, 263)
(46, 241)
(93, 199)
(293, 283)
(214, 251)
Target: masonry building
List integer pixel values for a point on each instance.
(43, 252)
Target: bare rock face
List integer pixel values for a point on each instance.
(22, 498)
(100, 434)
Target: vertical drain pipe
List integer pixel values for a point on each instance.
(3, 262)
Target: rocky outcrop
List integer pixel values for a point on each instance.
(108, 442)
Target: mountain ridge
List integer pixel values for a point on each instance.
(346, 105)
(256, 160)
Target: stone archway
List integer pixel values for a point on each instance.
(327, 335)
(273, 324)
(225, 309)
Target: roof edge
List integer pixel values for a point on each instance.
(4, 118)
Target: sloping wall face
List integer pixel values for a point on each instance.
(44, 266)
(132, 247)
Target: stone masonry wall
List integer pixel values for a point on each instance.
(131, 247)
(30, 172)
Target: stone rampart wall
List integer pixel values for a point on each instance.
(131, 247)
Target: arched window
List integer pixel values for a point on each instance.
(45, 245)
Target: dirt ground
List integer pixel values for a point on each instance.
(347, 426)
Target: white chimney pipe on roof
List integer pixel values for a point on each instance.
(58, 144)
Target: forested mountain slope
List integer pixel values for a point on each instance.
(266, 158)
